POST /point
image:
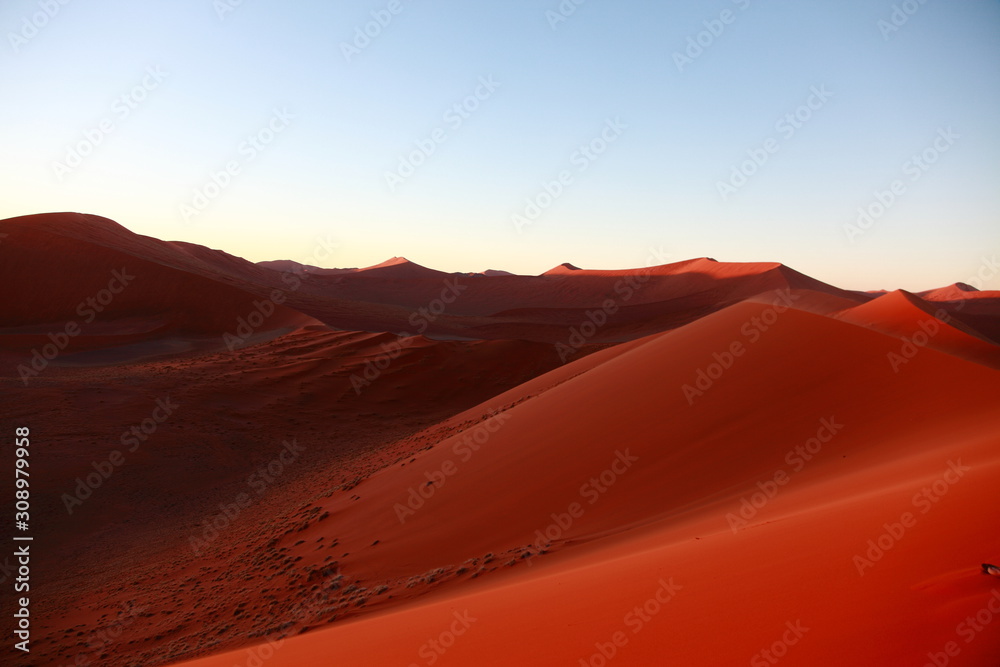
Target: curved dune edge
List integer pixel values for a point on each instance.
(514, 454)
(923, 324)
(669, 522)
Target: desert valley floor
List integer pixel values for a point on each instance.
(697, 463)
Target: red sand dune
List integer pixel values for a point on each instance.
(975, 308)
(665, 515)
(923, 324)
(742, 465)
(953, 292)
(390, 296)
(119, 283)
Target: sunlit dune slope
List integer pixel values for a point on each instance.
(756, 494)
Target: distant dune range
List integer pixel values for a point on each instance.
(700, 463)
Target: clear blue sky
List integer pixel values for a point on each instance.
(678, 128)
